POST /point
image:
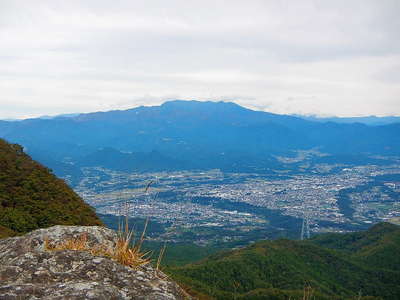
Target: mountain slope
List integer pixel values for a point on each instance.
(133, 162)
(283, 267)
(373, 247)
(31, 197)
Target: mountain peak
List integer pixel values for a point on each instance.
(198, 105)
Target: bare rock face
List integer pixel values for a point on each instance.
(29, 271)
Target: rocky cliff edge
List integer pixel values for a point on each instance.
(28, 270)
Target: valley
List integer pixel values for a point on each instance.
(217, 174)
(205, 150)
(212, 207)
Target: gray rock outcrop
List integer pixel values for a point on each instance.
(29, 271)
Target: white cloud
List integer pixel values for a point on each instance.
(315, 57)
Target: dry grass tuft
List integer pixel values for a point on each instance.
(129, 255)
(77, 244)
(124, 252)
(160, 256)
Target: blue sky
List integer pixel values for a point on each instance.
(301, 57)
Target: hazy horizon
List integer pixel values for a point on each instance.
(255, 109)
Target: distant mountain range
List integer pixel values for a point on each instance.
(190, 135)
(368, 120)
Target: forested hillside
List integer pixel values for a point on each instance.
(379, 246)
(32, 197)
(361, 264)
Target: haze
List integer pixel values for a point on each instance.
(295, 57)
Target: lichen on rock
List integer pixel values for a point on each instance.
(30, 271)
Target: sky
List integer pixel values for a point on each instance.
(292, 57)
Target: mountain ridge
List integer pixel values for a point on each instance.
(367, 120)
(32, 197)
(205, 132)
(280, 269)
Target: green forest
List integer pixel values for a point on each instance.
(32, 197)
(362, 265)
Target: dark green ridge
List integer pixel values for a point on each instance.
(343, 269)
(378, 247)
(31, 197)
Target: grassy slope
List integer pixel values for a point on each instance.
(279, 269)
(32, 197)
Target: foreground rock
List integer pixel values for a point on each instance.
(29, 271)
